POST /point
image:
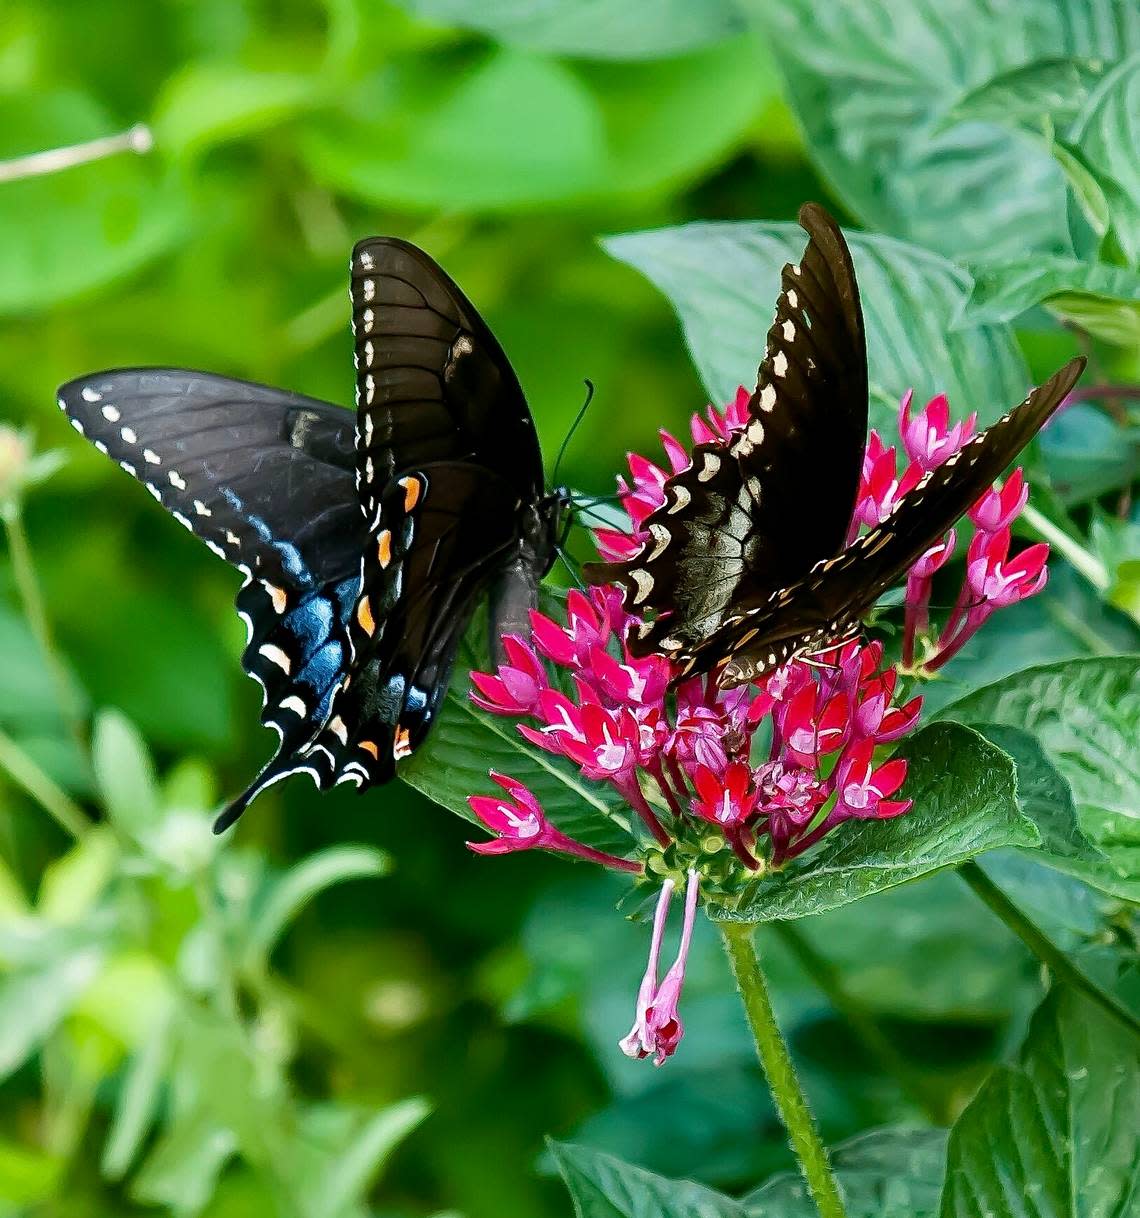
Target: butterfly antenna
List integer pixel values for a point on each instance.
(573, 428)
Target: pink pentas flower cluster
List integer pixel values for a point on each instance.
(726, 784)
(993, 579)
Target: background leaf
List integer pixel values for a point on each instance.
(1053, 1134)
(604, 1187)
(871, 84)
(606, 29)
(887, 1173)
(1086, 714)
(722, 279)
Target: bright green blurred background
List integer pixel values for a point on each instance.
(495, 989)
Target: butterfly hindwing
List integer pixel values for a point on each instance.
(765, 629)
(761, 510)
(445, 532)
(265, 478)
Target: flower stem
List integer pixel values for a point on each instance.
(1079, 558)
(789, 1098)
(1042, 946)
(53, 799)
(32, 601)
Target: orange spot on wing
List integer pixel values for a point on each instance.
(364, 616)
(411, 492)
(402, 746)
(369, 747)
(384, 547)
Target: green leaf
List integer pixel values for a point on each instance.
(1052, 1135)
(604, 1187)
(291, 892)
(34, 1000)
(1107, 297)
(894, 1172)
(601, 29)
(472, 137)
(339, 1182)
(965, 802)
(125, 773)
(1066, 621)
(28, 1177)
(723, 279)
(208, 103)
(183, 1168)
(872, 81)
(138, 1100)
(1087, 453)
(71, 885)
(1086, 714)
(466, 743)
(1105, 137)
(116, 210)
(1047, 799)
(1112, 320)
(668, 120)
(1054, 89)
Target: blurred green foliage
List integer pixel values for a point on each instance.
(285, 1023)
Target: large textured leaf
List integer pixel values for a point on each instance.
(965, 802)
(604, 1187)
(1047, 799)
(466, 743)
(723, 278)
(1107, 297)
(1054, 89)
(872, 81)
(602, 29)
(1053, 1135)
(1104, 138)
(1086, 713)
(888, 1173)
(117, 211)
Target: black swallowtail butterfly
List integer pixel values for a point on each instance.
(745, 566)
(365, 541)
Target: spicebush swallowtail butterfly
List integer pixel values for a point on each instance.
(745, 566)
(365, 541)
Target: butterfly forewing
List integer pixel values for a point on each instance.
(760, 511)
(265, 479)
(433, 383)
(765, 629)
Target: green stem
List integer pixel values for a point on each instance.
(789, 1098)
(1042, 946)
(826, 977)
(31, 598)
(53, 799)
(225, 993)
(1079, 558)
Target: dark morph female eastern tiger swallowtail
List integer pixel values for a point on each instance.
(745, 565)
(365, 541)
